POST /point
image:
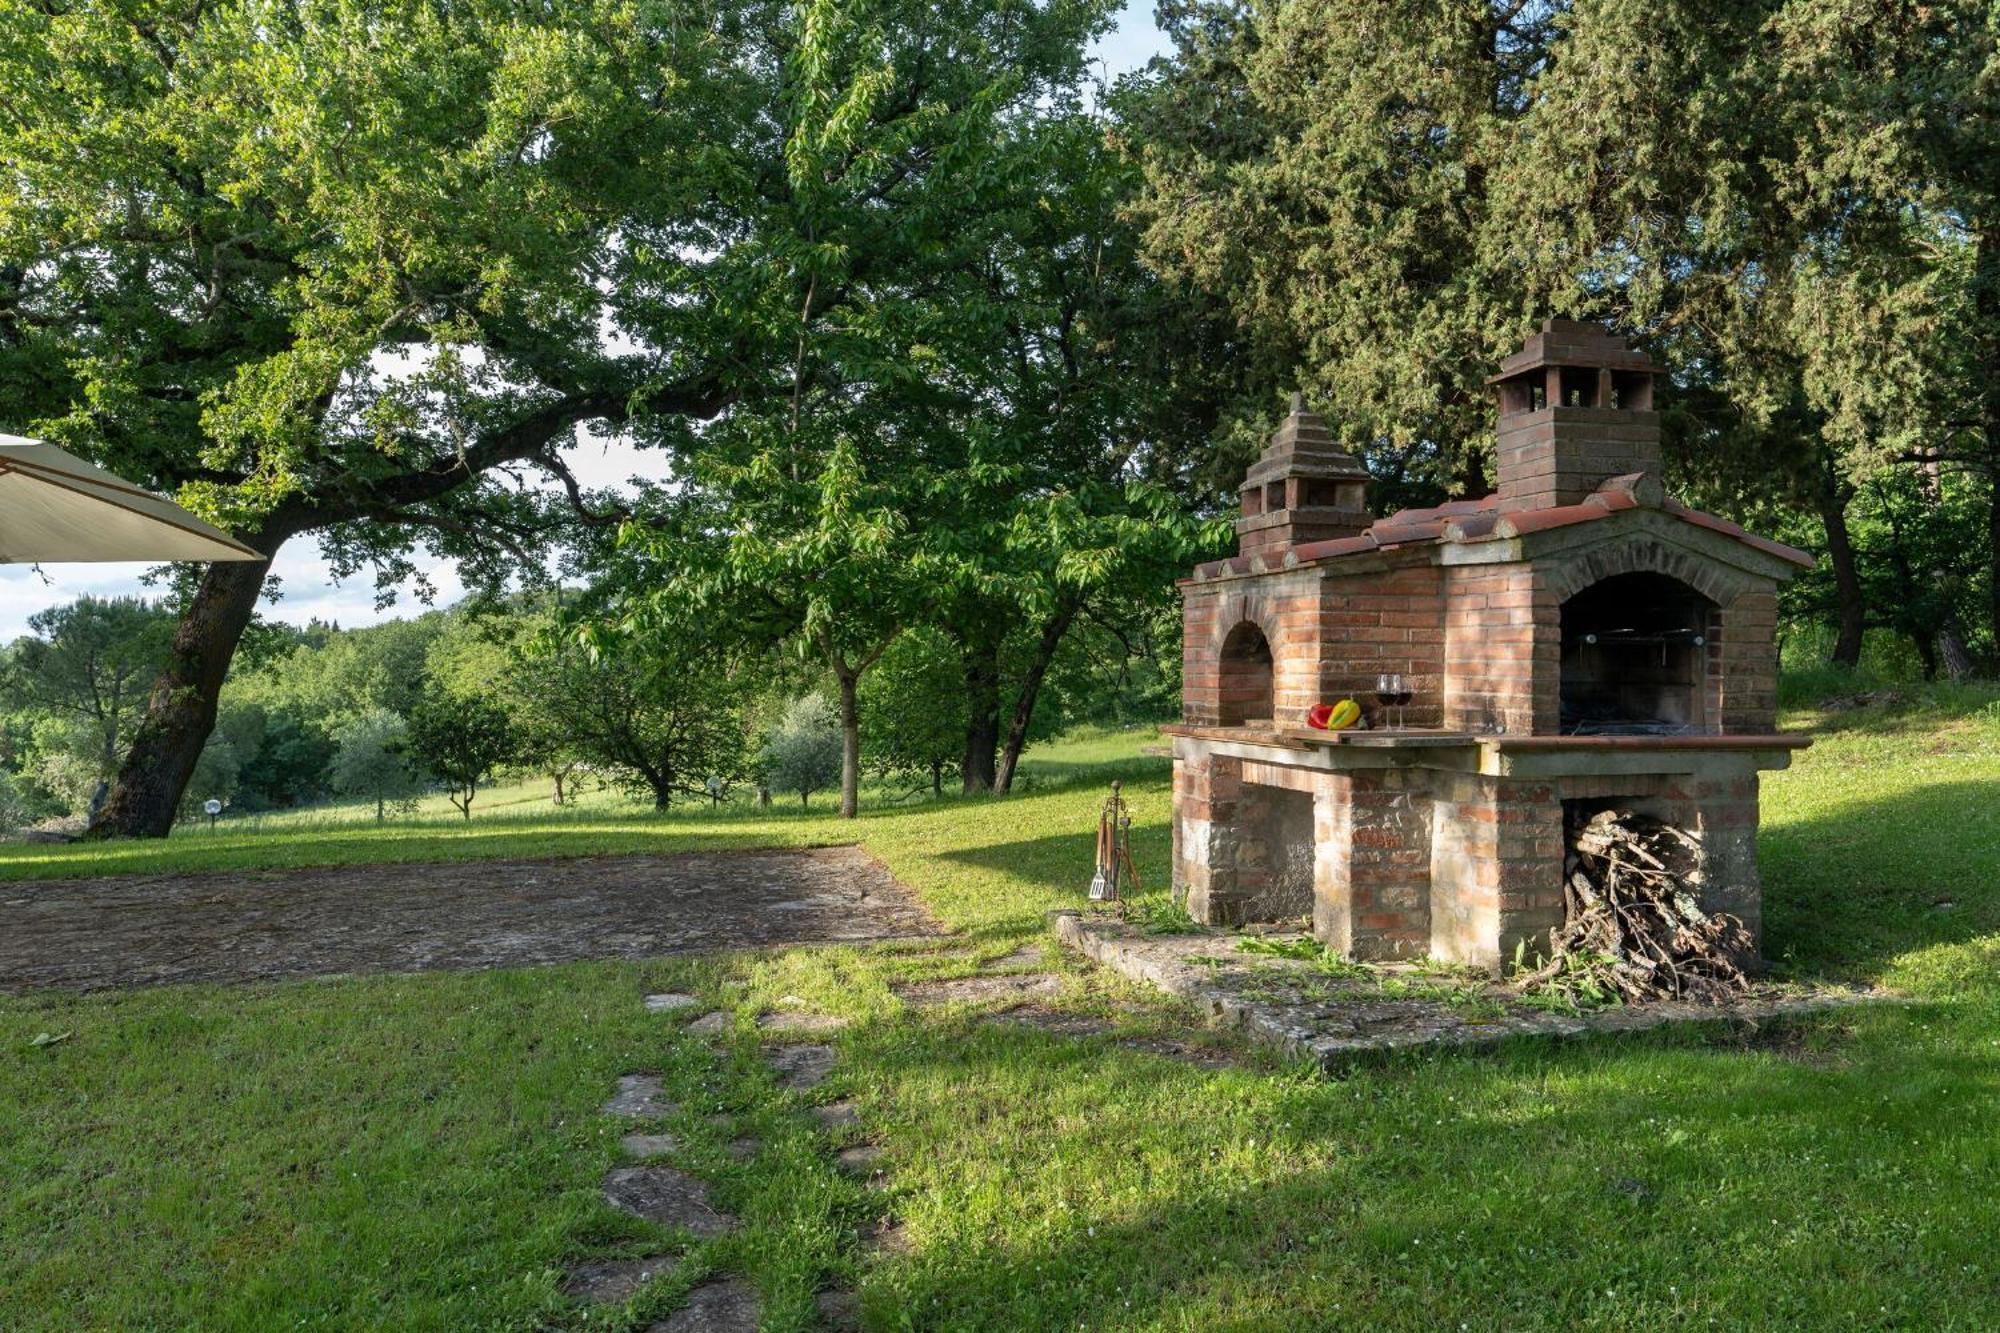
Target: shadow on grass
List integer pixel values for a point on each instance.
(1848, 892)
(1070, 1184)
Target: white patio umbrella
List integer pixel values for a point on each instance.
(56, 507)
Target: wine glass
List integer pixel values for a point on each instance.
(1388, 688)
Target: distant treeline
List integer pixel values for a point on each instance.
(452, 699)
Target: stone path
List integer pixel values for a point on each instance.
(145, 930)
(802, 1068)
(660, 1192)
(783, 1023)
(668, 1197)
(729, 1306)
(612, 1281)
(980, 989)
(642, 1146)
(640, 1097)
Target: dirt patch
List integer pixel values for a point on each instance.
(147, 930)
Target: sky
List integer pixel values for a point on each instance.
(307, 589)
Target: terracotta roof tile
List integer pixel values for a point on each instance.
(1485, 520)
(1728, 529)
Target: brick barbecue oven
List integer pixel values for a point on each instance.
(1576, 640)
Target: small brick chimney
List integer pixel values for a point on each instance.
(1303, 488)
(1576, 409)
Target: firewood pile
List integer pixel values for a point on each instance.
(1634, 928)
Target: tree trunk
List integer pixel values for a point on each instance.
(559, 787)
(1953, 655)
(181, 711)
(1849, 604)
(1993, 519)
(1031, 686)
(980, 649)
(1986, 301)
(937, 778)
(850, 743)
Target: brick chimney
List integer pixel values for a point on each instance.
(1303, 488)
(1576, 408)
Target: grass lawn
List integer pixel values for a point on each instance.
(424, 1151)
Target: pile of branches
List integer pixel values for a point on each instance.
(1635, 929)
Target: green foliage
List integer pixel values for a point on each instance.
(372, 761)
(86, 669)
(1325, 170)
(334, 676)
(462, 741)
(664, 725)
(802, 753)
(913, 709)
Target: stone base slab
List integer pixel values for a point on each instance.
(1296, 1006)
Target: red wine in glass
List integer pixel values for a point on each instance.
(1388, 689)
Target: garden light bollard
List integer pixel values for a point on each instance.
(212, 807)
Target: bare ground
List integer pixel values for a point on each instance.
(147, 930)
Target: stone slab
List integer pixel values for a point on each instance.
(710, 1024)
(640, 1097)
(728, 1306)
(1027, 958)
(836, 1116)
(885, 1235)
(1067, 1023)
(1008, 986)
(668, 1197)
(788, 1021)
(803, 1067)
(669, 1002)
(1299, 1008)
(861, 1159)
(648, 1145)
(839, 1311)
(612, 1281)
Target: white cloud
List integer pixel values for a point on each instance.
(308, 591)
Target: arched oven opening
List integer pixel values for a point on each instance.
(1246, 677)
(1635, 658)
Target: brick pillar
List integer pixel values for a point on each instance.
(1465, 873)
(1749, 664)
(1207, 794)
(1528, 857)
(1372, 876)
(1726, 822)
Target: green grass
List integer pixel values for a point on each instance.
(423, 1152)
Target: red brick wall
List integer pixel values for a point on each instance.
(1500, 648)
(1388, 620)
(1557, 456)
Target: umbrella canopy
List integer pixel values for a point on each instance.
(56, 507)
